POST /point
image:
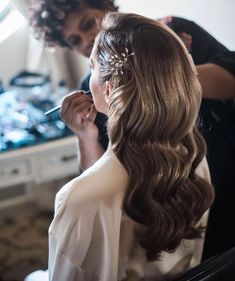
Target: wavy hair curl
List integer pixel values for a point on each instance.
(153, 130)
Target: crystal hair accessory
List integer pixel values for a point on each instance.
(117, 62)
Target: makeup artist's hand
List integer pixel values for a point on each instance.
(78, 112)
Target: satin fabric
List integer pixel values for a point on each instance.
(91, 238)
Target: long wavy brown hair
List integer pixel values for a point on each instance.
(152, 127)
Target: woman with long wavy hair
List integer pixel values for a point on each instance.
(140, 211)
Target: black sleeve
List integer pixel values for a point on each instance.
(205, 48)
(226, 60)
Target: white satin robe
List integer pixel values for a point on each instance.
(91, 239)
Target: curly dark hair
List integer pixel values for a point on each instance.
(47, 17)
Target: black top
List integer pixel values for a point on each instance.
(217, 124)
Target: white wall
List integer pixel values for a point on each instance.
(216, 16)
(13, 54)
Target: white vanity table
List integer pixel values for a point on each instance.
(23, 169)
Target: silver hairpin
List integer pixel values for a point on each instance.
(117, 63)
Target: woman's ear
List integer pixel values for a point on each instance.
(108, 91)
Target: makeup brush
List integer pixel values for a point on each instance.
(59, 106)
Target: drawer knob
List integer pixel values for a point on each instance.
(68, 158)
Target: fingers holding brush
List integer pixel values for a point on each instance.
(78, 112)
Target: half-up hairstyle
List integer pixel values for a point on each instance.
(152, 127)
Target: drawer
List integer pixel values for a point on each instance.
(15, 172)
(57, 164)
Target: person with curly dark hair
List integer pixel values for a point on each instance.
(52, 21)
(75, 23)
(139, 212)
